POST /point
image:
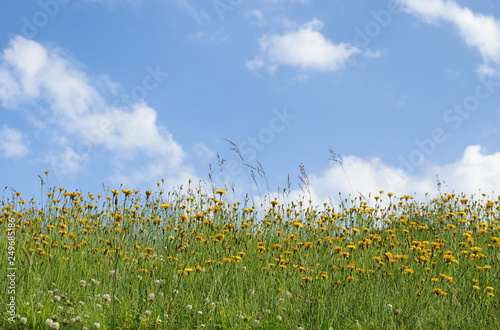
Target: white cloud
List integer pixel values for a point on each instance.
(203, 151)
(305, 47)
(185, 7)
(84, 120)
(209, 36)
(478, 31)
(255, 17)
(13, 143)
(452, 74)
(473, 173)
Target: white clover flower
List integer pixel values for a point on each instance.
(56, 326)
(147, 312)
(279, 317)
(81, 303)
(288, 294)
(60, 308)
(158, 321)
(157, 282)
(97, 325)
(212, 304)
(189, 307)
(98, 306)
(106, 297)
(389, 306)
(200, 312)
(83, 283)
(151, 297)
(176, 291)
(56, 298)
(73, 320)
(49, 323)
(23, 320)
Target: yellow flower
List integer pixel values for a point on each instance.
(221, 192)
(165, 205)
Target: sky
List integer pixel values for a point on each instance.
(106, 94)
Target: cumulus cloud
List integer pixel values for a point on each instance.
(13, 143)
(475, 172)
(304, 47)
(479, 31)
(75, 106)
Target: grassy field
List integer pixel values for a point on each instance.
(192, 259)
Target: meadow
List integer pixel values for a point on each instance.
(195, 258)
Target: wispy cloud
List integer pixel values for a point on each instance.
(255, 17)
(209, 36)
(13, 143)
(185, 7)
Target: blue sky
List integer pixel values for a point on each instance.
(130, 92)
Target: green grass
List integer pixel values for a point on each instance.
(188, 260)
